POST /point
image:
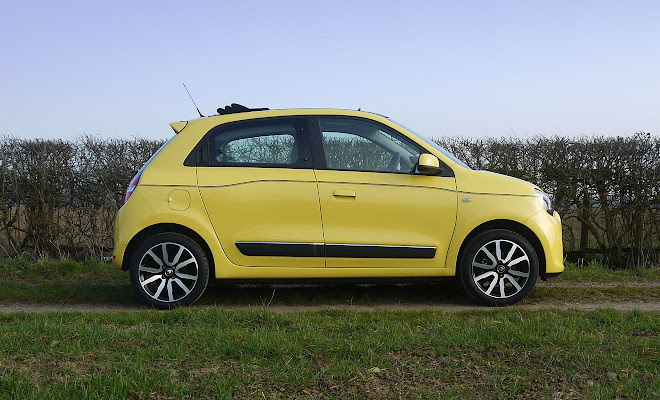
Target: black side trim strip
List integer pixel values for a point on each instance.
(281, 249)
(377, 251)
(335, 250)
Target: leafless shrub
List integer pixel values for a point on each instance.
(58, 198)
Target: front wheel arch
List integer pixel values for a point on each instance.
(509, 225)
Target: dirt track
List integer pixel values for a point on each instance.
(554, 305)
(438, 297)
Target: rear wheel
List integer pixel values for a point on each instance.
(499, 267)
(169, 270)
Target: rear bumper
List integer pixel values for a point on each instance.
(131, 219)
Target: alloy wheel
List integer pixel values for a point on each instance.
(168, 272)
(501, 268)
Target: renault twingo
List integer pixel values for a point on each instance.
(325, 193)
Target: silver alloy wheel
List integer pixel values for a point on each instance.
(501, 268)
(168, 272)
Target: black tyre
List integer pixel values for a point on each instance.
(499, 268)
(169, 270)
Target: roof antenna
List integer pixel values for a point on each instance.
(200, 114)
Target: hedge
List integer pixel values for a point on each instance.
(59, 198)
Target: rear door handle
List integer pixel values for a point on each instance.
(344, 193)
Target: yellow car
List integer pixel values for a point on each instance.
(324, 193)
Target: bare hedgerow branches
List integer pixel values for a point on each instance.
(59, 198)
(606, 189)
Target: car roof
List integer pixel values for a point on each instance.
(248, 114)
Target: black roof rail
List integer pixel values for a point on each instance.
(237, 108)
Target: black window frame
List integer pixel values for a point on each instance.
(318, 152)
(200, 156)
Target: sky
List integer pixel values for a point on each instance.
(444, 68)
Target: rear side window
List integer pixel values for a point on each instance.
(268, 145)
(278, 143)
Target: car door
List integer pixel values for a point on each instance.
(258, 186)
(377, 210)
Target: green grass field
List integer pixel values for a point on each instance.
(210, 353)
(252, 352)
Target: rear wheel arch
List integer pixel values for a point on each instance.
(513, 226)
(163, 228)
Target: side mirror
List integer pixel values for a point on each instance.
(428, 164)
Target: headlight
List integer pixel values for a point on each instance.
(545, 201)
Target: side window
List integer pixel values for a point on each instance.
(357, 145)
(273, 148)
(275, 144)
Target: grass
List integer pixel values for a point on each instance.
(594, 272)
(24, 270)
(63, 282)
(209, 353)
(593, 294)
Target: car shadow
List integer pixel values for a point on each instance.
(304, 296)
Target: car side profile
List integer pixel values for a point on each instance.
(325, 193)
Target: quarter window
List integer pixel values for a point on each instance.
(274, 145)
(358, 145)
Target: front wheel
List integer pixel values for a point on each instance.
(169, 270)
(499, 267)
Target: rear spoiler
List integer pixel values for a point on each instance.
(178, 126)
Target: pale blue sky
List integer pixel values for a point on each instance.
(471, 68)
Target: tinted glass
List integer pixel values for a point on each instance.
(357, 145)
(260, 145)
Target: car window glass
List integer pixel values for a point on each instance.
(358, 145)
(271, 144)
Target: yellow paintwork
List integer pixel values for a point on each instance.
(401, 209)
(429, 160)
(228, 204)
(178, 126)
(262, 204)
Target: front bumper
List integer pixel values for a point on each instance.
(548, 230)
